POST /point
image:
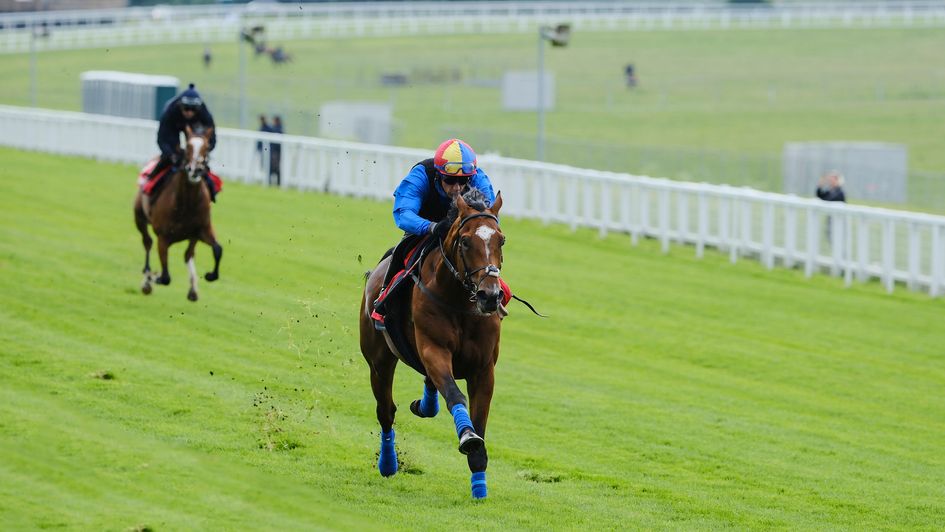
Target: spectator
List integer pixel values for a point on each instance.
(207, 57)
(830, 188)
(275, 153)
(263, 146)
(631, 76)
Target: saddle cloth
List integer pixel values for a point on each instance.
(147, 185)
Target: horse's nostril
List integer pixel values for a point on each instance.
(488, 301)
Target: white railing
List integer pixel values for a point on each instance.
(203, 24)
(858, 243)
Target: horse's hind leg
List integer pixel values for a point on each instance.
(141, 222)
(480, 390)
(210, 238)
(382, 381)
(192, 269)
(429, 405)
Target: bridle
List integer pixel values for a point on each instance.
(471, 286)
(489, 270)
(196, 166)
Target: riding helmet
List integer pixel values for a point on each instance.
(190, 98)
(455, 158)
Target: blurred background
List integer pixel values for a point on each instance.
(759, 94)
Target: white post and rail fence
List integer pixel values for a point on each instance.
(858, 243)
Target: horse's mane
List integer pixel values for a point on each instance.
(474, 198)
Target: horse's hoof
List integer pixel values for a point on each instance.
(210, 276)
(146, 288)
(415, 408)
(163, 280)
(192, 295)
(470, 442)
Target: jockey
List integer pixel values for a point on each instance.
(422, 200)
(186, 109)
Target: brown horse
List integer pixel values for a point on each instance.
(451, 320)
(180, 212)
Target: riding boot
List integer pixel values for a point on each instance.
(211, 188)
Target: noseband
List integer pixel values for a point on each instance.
(490, 270)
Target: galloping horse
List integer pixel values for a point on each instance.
(451, 321)
(180, 212)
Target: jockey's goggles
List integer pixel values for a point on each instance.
(453, 180)
(461, 168)
(189, 108)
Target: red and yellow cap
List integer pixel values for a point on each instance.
(455, 158)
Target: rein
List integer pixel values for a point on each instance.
(466, 281)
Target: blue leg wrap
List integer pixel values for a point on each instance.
(387, 460)
(461, 418)
(430, 404)
(478, 481)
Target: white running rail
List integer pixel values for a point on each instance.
(855, 242)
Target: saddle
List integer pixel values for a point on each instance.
(397, 297)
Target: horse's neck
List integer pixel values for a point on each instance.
(186, 192)
(438, 274)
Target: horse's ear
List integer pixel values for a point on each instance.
(497, 204)
(461, 203)
(189, 132)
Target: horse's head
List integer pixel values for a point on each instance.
(475, 243)
(196, 156)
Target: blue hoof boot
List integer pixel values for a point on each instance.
(478, 481)
(387, 460)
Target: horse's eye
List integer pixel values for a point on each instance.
(502, 241)
(464, 241)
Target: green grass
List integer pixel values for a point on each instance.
(663, 391)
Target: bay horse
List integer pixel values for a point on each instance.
(451, 321)
(180, 212)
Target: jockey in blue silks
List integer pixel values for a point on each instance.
(422, 200)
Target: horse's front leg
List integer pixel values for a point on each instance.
(438, 362)
(210, 238)
(163, 244)
(480, 389)
(192, 269)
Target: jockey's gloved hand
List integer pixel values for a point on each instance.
(439, 229)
